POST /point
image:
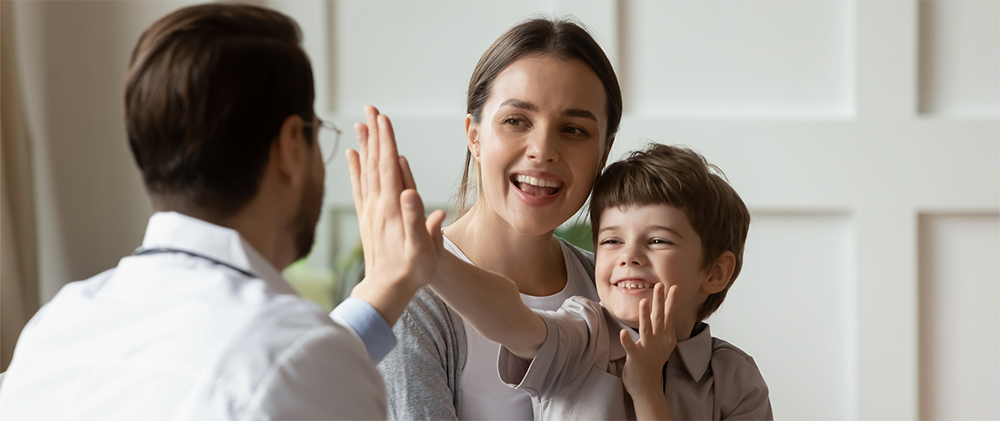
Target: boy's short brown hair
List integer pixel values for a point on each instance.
(679, 177)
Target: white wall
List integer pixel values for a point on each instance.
(864, 136)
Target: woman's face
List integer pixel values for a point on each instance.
(539, 142)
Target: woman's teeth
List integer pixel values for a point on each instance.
(538, 182)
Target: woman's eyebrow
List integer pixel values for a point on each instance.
(569, 112)
(518, 103)
(576, 112)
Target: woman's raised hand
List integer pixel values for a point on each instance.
(401, 246)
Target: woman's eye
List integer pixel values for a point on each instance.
(576, 131)
(609, 241)
(660, 241)
(511, 121)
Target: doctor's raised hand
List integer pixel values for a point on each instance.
(400, 244)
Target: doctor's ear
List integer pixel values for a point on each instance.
(290, 151)
(472, 135)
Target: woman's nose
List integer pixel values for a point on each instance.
(543, 145)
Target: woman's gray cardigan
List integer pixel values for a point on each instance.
(423, 372)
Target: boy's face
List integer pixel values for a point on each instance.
(641, 245)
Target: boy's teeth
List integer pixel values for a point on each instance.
(539, 182)
(632, 285)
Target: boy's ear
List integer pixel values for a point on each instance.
(719, 273)
(289, 153)
(472, 135)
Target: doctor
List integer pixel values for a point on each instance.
(198, 323)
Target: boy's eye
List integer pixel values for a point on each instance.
(609, 241)
(660, 241)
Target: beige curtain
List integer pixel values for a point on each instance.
(18, 252)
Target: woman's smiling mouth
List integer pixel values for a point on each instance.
(535, 186)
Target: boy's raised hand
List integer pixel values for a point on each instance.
(400, 245)
(644, 362)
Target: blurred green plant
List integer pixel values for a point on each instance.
(577, 234)
(313, 283)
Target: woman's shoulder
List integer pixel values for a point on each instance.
(583, 258)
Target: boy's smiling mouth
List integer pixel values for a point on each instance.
(535, 186)
(634, 284)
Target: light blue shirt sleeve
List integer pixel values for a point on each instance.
(373, 330)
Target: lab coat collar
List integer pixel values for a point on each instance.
(172, 230)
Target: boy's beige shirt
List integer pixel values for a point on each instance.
(577, 372)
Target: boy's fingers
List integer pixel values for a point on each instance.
(645, 328)
(406, 174)
(627, 342)
(434, 222)
(354, 167)
(669, 305)
(413, 215)
(656, 316)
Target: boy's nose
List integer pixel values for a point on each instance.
(629, 259)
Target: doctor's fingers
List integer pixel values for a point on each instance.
(354, 168)
(372, 159)
(389, 169)
(361, 130)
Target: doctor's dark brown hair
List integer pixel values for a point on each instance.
(682, 178)
(207, 90)
(558, 38)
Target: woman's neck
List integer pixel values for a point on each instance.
(534, 262)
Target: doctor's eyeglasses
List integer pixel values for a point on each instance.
(329, 139)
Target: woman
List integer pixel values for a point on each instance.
(543, 108)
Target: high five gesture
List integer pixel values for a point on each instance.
(400, 244)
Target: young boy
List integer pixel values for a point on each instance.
(669, 236)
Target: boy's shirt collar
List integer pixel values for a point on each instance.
(615, 349)
(696, 352)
